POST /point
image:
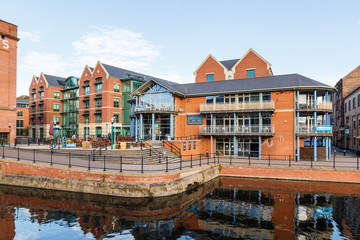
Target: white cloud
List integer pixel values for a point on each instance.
(171, 76)
(118, 47)
(30, 36)
(49, 63)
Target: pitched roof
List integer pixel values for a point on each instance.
(55, 81)
(279, 82)
(229, 63)
(124, 73)
(21, 100)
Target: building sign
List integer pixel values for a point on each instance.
(324, 129)
(194, 120)
(4, 44)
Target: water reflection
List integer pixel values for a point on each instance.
(222, 209)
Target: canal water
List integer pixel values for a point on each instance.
(221, 209)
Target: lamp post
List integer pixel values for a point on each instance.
(54, 135)
(9, 133)
(87, 128)
(112, 132)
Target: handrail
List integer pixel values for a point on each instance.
(189, 137)
(152, 149)
(172, 147)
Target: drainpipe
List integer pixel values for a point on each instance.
(315, 124)
(297, 126)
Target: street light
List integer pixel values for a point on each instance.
(87, 127)
(54, 134)
(112, 132)
(9, 133)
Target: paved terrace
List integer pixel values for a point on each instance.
(116, 160)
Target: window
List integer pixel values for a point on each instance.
(229, 77)
(126, 87)
(56, 95)
(19, 113)
(99, 87)
(347, 120)
(116, 118)
(19, 123)
(250, 73)
(98, 103)
(98, 118)
(354, 103)
(354, 123)
(349, 105)
(56, 120)
(359, 100)
(56, 107)
(266, 96)
(86, 105)
(19, 127)
(116, 102)
(209, 100)
(116, 88)
(345, 107)
(86, 90)
(86, 119)
(210, 77)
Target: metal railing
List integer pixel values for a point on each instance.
(156, 109)
(119, 163)
(321, 105)
(172, 147)
(244, 106)
(264, 129)
(189, 137)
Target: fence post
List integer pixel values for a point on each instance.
(19, 154)
(34, 156)
(357, 161)
(104, 163)
(200, 159)
(334, 159)
(89, 161)
(269, 160)
(142, 164)
(207, 156)
(311, 161)
(141, 145)
(120, 163)
(180, 163)
(218, 158)
(150, 151)
(289, 161)
(69, 159)
(3, 151)
(190, 160)
(51, 157)
(230, 158)
(167, 167)
(249, 158)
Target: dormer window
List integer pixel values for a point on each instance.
(250, 73)
(210, 77)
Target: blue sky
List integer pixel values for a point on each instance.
(169, 39)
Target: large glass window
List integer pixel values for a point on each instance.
(126, 86)
(71, 82)
(157, 96)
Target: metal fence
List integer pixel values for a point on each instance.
(143, 164)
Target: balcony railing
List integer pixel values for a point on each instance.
(265, 130)
(320, 105)
(323, 130)
(150, 109)
(238, 107)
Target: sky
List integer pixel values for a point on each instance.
(170, 39)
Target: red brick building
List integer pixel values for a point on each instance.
(249, 66)
(8, 60)
(44, 104)
(344, 87)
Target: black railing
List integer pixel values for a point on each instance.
(190, 137)
(120, 163)
(172, 147)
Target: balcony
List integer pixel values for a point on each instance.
(320, 107)
(309, 131)
(238, 107)
(265, 130)
(156, 109)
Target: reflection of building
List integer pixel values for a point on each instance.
(344, 86)
(258, 115)
(8, 60)
(22, 116)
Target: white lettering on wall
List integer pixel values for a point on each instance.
(4, 43)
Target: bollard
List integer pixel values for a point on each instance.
(3, 152)
(200, 159)
(180, 163)
(334, 159)
(249, 159)
(34, 156)
(104, 163)
(311, 161)
(207, 156)
(51, 157)
(69, 159)
(120, 163)
(230, 158)
(89, 161)
(190, 160)
(167, 162)
(142, 164)
(18, 154)
(289, 161)
(269, 160)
